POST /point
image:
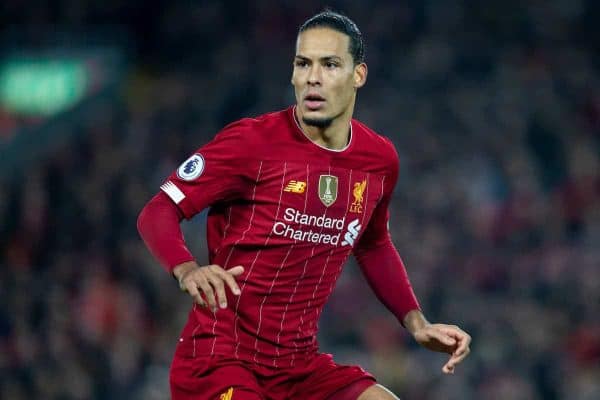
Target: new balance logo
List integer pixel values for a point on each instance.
(295, 186)
(228, 395)
(352, 233)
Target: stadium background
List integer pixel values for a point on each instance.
(494, 107)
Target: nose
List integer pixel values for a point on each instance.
(314, 75)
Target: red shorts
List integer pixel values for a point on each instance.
(221, 378)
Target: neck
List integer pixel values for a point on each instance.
(335, 136)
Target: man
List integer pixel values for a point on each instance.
(291, 195)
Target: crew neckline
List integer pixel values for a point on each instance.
(305, 136)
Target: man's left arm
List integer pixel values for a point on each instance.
(385, 272)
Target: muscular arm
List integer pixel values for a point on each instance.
(383, 268)
(217, 171)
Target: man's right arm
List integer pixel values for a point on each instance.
(159, 227)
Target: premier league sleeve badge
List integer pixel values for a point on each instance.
(191, 168)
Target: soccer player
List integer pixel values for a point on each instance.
(291, 194)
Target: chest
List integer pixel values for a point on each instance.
(315, 203)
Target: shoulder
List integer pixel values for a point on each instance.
(254, 128)
(376, 144)
(251, 137)
(246, 134)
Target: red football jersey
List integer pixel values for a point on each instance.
(290, 212)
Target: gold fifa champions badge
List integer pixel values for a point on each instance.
(328, 189)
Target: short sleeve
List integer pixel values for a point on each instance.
(216, 172)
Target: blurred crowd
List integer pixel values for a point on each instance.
(495, 110)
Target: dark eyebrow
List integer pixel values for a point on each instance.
(326, 58)
(331, 58)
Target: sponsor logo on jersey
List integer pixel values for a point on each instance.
(191, 168)
(228, 395)
(351, 233)
(295, 187)
(317, 229)
(357, 192)
(328, 189)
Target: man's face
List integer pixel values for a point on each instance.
(325, 78)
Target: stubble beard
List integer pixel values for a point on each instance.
(322, 123)
(318, 122)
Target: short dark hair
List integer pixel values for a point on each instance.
(341, 23)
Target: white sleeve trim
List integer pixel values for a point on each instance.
(173, 192)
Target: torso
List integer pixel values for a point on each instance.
(292, 229)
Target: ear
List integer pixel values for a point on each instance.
(360, 75)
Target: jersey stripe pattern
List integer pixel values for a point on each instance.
(290, 212)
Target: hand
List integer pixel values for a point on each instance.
(445, 339)
(203, 283)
